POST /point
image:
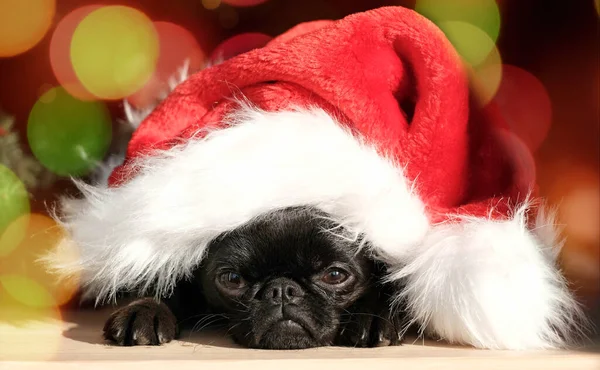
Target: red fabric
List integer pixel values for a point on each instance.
(372, 70)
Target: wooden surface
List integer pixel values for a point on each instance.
(74, 342)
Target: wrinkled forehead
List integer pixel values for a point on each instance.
(292, 241)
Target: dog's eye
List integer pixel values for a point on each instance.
(232, 280)
(335, 276)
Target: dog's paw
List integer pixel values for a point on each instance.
(385, 331)
(143, 322)
(370, 330)
(370, 322)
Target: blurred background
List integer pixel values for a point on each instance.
(67, 65)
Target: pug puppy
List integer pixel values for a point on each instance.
(286, 280)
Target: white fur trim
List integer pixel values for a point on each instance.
(490, 284)
(154, 229)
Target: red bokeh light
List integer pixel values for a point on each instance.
(525, 105)
(60, 53)
(177, 46)
(523, 163)
(239, 44)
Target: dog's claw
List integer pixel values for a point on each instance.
(143, 322)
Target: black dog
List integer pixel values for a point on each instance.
(284, 281)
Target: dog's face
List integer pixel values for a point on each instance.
(284, 280)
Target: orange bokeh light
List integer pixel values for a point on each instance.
(42, 237)
(23, 24)
(60, 57)
(525, 105)
(579, 208)
(177, 46)
(581, 211)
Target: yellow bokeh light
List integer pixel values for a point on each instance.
(114, 51)
(483, 14)
(478, 51)
(23, 24)
(486, 77)
(470, 42)
(22, 272)
(13, 235)
(26, 291)
(14, 204)
(60, 52)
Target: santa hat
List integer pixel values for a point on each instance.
(369, 119)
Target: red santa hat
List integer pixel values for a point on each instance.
(370, 119)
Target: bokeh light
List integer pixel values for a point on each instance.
(26, 278)
(486, 77)
(60, 52)
(525, 105)
(243, 3)
(211, 4)
(26, 291)
(30, 298)
(23, 24)
(578, 191)
(177, 47)
(470, 42)
(14, 203)
(68, 136)
(228, 17)
(523, 163)
(483, 14)
(28, 334)
(13, 234)
(239, 44)
(580, 208)
(114, 51)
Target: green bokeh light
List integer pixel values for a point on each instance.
(68, 136)
(470, 42)
(14, 205)
(483, 14)
(114, 51)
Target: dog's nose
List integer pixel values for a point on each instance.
(282, 291)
